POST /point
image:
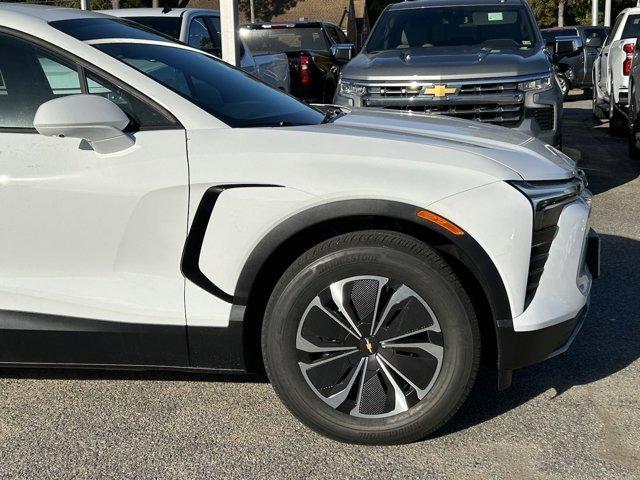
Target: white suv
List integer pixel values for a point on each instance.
(611, 70)
(164, 210)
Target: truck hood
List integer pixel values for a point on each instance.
(445, 63)
(526, 156)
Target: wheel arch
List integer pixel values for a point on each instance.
(290, 239)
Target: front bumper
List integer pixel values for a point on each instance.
(521, 345)
(521, 349)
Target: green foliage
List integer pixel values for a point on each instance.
(265, 10)
(576, 12)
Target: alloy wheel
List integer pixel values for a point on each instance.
(369, 346)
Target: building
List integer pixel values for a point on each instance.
(356, 17)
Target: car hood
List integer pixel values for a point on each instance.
(521, 154)
(446, 64)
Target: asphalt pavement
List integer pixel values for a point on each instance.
(574, 417)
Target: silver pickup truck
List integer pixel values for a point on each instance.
(200, 28)
(475, 59)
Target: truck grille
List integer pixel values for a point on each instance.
(488, 113)
(498, 103)
(486, 88)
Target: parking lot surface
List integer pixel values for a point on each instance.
(576, 416)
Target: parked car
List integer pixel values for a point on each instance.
(200, 28)
(634, 104)
(612, 68)
(475, 59)
(317, 51)
(179, 214)
(574, 51)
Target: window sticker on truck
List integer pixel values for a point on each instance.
(495, 16)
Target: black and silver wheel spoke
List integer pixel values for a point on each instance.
(370, 346)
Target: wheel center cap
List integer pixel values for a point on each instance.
(369, 346)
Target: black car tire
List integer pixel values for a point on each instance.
(617, 123)
(632, 133)
(565, 85)
(598, 112)
(388, 255)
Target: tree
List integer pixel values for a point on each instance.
(576, 12)
(267, 9)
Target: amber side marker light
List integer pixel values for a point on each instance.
(438, 220)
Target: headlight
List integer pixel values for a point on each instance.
(537, 85)
(350, 88)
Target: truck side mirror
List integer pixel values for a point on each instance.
(593, 42)
(343, 51)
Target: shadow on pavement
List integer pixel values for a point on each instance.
(604, 158)
(609, 342)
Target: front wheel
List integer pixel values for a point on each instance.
(370, 338)
(632, 134)
(565, 85)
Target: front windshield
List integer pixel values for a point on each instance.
(269, 40)
(168, 25)
(498, 26)
(225, 92)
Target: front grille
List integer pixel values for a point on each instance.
(487, 88)
(498, 103)
(487, 113)
(544, 117)
(540, 246)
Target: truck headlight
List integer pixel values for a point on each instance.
(346, 87)
(536, 85)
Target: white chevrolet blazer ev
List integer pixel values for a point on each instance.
(163, 210)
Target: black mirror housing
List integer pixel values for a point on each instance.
(343, 51)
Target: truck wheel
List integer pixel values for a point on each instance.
(598, 112)
(617, 123)
(632, 133)
(370, 338)
(565, 85)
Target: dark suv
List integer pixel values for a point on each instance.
(317, 51)
(575, 49)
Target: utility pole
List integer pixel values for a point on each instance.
(115, 4)
(561, 13)
(229, 33)
(607, 13)
(155, 3)
(253, 11)
(85, 4)
(594, 12)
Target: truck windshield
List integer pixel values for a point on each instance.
(632, 27)
(225, 92)
(168, 25)
(286, 39)
(498, 26)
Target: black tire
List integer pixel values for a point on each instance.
(598, 112)
(617, 123)
(402, 260)
(565, 85)
(632, 132)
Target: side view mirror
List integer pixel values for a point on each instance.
(90, 117)
(550, 47)
(343, 51)
(593, 42)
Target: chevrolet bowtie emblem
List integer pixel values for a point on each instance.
(369, 346)
(440, 90)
